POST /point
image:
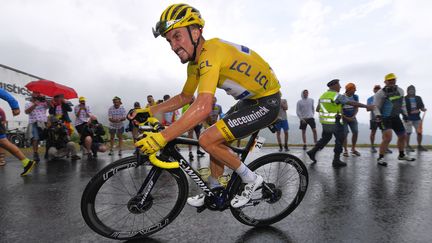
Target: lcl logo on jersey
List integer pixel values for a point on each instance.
(204, 64)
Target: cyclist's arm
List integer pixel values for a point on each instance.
(197, 112)
(13, 103)
(172, 104)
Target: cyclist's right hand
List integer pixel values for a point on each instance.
(151, 142)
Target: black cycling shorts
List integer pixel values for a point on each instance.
(248, 116)
(394, 123)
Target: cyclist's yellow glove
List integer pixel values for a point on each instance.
(140, 116)
(151, 143)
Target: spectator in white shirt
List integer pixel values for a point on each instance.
(116, 116)
(305, 112)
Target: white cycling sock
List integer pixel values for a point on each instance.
(245, 174)
(212, 182)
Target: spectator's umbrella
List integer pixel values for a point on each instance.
(51, 88)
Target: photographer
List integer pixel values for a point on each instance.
(60, 108)
(58, 143)
(82, 113)
(36, 109)
(91, 138)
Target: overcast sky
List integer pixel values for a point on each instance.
(105, 48)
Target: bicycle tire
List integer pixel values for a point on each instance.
(300, 174)
(94, 196)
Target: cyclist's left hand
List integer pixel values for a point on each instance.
(151, 143)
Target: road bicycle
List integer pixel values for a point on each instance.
(137, 196)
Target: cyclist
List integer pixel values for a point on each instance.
(213, 63)
(4, 142)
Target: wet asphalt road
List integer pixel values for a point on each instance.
(360, 203)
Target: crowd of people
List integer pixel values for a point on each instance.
(338, 116)
(49, 121)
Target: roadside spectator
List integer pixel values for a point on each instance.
(82, 113)
(169, 117)
(305, 112)
(91, 138)
(282, 124)
(196, 129)
(349, 114)
(58, 142)
(132, 127)
(414, 105)
(373, 125)
(150, 101)
(37, 111)
(5, 143)
(215, 114)
(3, 123)
(390, 104)
(116, 116)
(60, 108)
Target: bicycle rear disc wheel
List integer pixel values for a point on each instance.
(108, 201)
(287, 178)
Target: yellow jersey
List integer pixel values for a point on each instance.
(237, 69)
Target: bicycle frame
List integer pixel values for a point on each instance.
(171, 151)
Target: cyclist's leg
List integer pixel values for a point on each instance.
(15, 151)
(12, 148)
(217, 170)
(212, 141)
(248, 117)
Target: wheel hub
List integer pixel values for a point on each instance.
(271, 193)
(135, 207)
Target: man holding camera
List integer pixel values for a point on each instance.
(60, 108)
(58, 142)
(37, 111)
(91, 138)
(82, 113)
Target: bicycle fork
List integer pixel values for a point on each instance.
(148, 185)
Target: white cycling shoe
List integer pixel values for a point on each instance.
(246, 195)
(196, 201)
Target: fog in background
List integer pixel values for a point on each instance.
(105, 48)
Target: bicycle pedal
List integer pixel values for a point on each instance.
(200, 209)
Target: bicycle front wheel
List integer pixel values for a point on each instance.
(109, 202)
(285, 184)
